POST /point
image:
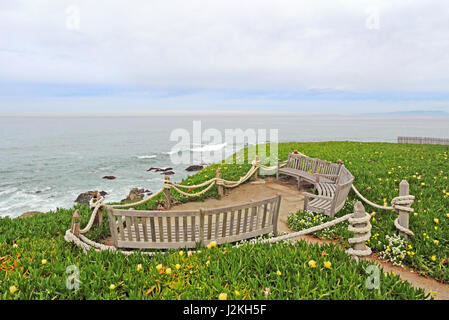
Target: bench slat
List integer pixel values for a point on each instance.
(177, 229)
(232, 223)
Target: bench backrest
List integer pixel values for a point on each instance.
(301, 162)
(315, 166)
(342, 190)
(184, 229)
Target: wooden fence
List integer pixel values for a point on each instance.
(423, 140)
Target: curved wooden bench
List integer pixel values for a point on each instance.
(185, 229)
(330, 197)
(312, 170)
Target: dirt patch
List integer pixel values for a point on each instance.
(292, 200)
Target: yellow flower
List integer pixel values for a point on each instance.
(436, 220)
(312, 264)
(181, 253)
(212, 245)
(168, 271)
(112, 287)
(436, 242)
(12, 289)
(436, 228)
(373, 214)
(189, 253)
(237, 293)
(278, 273)
(139, 267)
(434, 258)
(44, 261)
(447, 215)
(177, 266)
(223, 296)
(15, 245)
(159, 267)
(327, 264)
(415, 214)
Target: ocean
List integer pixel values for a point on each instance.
(45, 162)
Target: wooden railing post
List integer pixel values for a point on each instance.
(99, 216)
(404, 216)
(359, 224)
(76, 221)
(219, 182)
(167, 201)
(256, 174)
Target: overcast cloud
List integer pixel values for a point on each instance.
(288, 55)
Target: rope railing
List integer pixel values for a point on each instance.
(358, 224)
(401, 204)
(96, 203)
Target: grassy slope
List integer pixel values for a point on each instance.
(378, 168)
(41, 237)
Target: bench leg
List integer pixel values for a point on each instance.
(299, 182)
(306, 202)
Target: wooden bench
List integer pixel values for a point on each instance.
(312, 170)
(185, 229)
(330, 197)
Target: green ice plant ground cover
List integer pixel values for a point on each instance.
(34, 255)
(378, 169)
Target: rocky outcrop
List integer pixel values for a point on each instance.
(85, 197)
(159, 169)
(194, 168)
(136, 194)
(168, 173)
(109, 177)
(29, 214)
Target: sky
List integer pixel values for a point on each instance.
(117, 56)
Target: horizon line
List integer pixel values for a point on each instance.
(214, 112)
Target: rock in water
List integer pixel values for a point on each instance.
(85, 197)
(136, 194)
(168, 173)
(159, 169)
(109, 177)
(194, 168)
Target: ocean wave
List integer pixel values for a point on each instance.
(147, 157)
(8, 191)
(201, 148)
(209, 147)
(176, 151)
